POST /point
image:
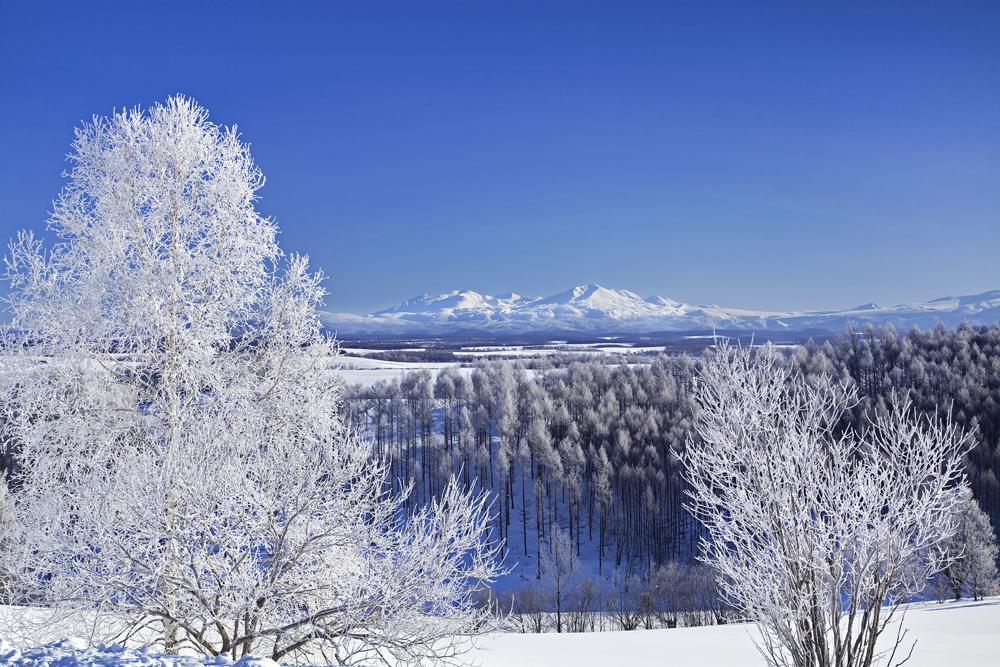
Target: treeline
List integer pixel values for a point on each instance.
(673, 595)
(595, 448)
(940, 370)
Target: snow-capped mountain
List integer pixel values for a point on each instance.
(596, 309)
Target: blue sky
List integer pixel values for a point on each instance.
(766, 155)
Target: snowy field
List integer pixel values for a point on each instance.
(962, 634)
(360, 369)
(366, 372)
(510, 351)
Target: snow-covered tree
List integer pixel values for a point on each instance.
(183, 468)
(817, 532)
(6, 516)
(6, 502)
(559, 564)
(973, 571)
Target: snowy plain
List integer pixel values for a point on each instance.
(356, 367)
(953, 634)
(365, 372)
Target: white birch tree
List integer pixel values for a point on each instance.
(818, 533)
(183, 470)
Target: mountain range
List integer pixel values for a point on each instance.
(595, 309)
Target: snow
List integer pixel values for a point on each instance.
(452, 302)
(360, 369)
(595, 308)
(963, 634)
(365, 372)
(956, 634)
(363, 351)
(77, 653)
(548, 350)
(366, 363)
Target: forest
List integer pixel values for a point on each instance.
(595, 450)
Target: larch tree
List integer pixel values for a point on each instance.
(817, 532)
(559, 565)
(183, 469)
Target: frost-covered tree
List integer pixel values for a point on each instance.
(6, 516)
(559, 565)
(183, 471)
(6, 502)
(817, 532)
(973, 571)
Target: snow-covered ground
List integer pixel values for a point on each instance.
(960, 634)
(366, 372)
(360, 369)
(76, 653)
(542, 351)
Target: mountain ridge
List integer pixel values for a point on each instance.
(592, 308)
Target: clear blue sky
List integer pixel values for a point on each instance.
(765, 155)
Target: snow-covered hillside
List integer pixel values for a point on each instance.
(596, 309)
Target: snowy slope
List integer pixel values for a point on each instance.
(596, 309)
